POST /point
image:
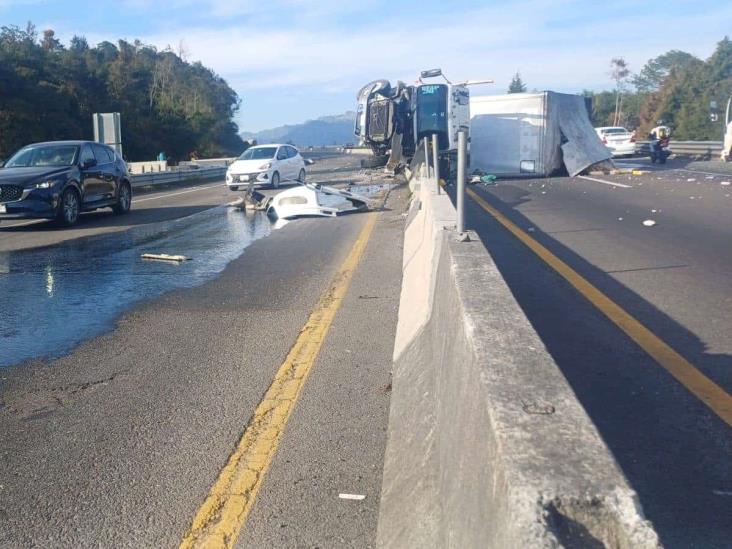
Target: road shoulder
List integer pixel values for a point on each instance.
(335, 440)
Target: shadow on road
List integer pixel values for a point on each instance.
(675, 452)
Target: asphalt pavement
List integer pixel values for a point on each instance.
(117, 441)
(674, 276)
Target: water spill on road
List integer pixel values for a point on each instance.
(51, 299)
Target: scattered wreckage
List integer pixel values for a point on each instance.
(306, 200)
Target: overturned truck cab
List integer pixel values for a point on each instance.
(383, 115)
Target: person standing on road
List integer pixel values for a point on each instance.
(727, 147)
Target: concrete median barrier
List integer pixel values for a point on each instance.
(487, 444)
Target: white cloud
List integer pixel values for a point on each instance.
(465, 45)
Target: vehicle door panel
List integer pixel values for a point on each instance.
(292, 160)
(282, 166)
(105, 158)
(91, 178)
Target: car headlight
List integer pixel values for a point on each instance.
(45, 184)
(266, 166)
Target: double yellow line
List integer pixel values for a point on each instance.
(220, 519)
(711, 394)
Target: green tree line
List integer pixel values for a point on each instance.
(49, 91)
(676, 89)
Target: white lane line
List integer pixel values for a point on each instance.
(177, 193)
(605, 182)
(705, 173)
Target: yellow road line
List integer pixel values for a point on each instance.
(711, 394)
(222, 515)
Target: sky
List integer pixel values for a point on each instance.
(295, 60)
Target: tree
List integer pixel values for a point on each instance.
(50, 42)
(517, 85)
(683, 99)
(619, 73)
(654, 72)
(49, 92)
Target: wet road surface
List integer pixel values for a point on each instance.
(117, 441)
(674, 277)
(76, 289)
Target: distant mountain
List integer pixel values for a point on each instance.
(326, 130)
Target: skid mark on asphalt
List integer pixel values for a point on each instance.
(711, 394)
(222, 515)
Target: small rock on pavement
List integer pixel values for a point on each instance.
(649, 223)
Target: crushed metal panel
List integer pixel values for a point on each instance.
(581, 147)
(313, 200)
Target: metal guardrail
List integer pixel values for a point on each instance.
(691, 148)
(177, 176)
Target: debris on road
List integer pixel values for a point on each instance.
(310, 200)
(725, 183)
(166, 257)
(649, 223)
(354, 497)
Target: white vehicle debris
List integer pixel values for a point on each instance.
(315, 200)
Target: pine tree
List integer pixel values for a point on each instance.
(517, 85)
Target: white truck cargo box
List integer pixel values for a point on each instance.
(533, 134)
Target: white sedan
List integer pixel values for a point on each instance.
(266, 165)
(620, 141)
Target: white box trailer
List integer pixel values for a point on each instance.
(533, 134)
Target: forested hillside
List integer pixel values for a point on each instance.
(676, 88)
(49, 91)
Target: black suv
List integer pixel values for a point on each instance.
(61, 179)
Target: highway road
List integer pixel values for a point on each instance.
(675, 279)
(118, 433)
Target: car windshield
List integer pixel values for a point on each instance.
(44, 155)
(614, 130)
(260, 153)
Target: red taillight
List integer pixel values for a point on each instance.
(604, 140)
(632, 139)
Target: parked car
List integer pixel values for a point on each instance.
(620, 141)
(266, 165)
(61, 179)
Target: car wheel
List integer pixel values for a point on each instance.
(275, 180)
(301, 176)
(124, 199)
(234, 187)
(68, 211)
